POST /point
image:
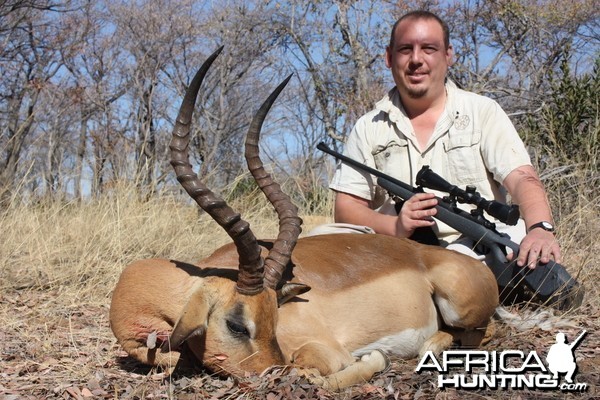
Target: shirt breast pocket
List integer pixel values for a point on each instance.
(464, 157)
(391, 159)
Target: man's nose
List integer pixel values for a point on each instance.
(416, 56)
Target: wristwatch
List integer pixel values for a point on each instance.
(545, 225)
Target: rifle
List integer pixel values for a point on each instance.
(549, 283)
(575, 342)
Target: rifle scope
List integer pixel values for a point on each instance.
(503, 212)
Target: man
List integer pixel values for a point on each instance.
(464, 137)
(560, 358)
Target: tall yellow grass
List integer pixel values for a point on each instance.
(81, 248)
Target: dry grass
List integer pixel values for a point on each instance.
(60, 261)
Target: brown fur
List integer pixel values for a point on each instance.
(364, 288)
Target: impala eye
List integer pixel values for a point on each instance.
(237, 329)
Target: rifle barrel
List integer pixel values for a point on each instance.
(361, 167)
(575, 342)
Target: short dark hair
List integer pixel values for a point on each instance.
(422, 14)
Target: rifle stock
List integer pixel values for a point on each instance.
(550, 283)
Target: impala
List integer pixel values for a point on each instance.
(331, 305)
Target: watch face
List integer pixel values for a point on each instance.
(545, 225)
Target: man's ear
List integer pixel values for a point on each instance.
(192, 321)
(289, 291)
(450, 55)
(388, 57)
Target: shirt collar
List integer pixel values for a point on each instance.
(391, 104)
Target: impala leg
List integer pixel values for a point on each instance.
(466, 338)
(333, 367)
(167, 361)
(440, 341)
(358, 372)
(326, 359)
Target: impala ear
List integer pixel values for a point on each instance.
(192, 321)
(289, 291)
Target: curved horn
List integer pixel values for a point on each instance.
(250, 278)
(289, 222)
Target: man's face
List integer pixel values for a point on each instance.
(419, 59)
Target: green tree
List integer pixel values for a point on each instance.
(567, 127)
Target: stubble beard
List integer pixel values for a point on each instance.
(414, 91)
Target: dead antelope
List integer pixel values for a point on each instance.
(248, 306)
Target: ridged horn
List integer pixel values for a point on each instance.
(251, 266)
(289, 222)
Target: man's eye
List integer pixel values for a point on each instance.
(429, 50)
(237, 329)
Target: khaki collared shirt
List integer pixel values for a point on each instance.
(474, 143)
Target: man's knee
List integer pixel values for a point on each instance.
(326, 229)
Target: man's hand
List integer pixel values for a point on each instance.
(527, 191)
(538, 245)
(416, 212)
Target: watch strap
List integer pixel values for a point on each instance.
(545, 225)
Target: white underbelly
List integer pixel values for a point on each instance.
(405, 344)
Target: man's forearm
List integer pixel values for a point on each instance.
(528, 192)
(354, 210)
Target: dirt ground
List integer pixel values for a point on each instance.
(68, 352)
